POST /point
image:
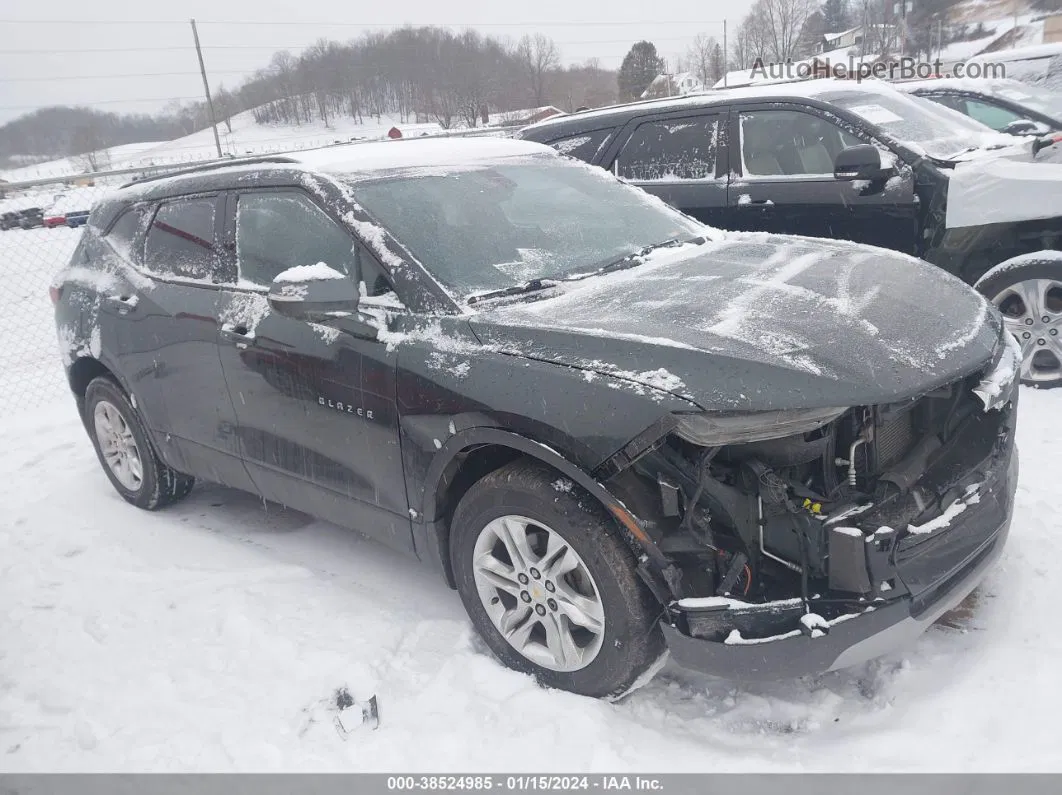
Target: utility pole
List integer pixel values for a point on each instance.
(206, 89)
(726, 56)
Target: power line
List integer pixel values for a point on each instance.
(91, 103)
(182, 47)
(117, 77)
(377, 25)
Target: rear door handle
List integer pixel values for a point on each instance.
(238, 334)
(123, 303)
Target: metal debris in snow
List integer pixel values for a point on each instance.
(352, 715)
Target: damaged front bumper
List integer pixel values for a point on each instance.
(912, 577)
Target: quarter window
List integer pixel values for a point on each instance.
(181, 241)
(790, 143)
(123, 232)
(584, 146)
(672, 150)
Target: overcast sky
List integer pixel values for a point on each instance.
(128, 55)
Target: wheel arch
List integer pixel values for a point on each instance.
(470, 455)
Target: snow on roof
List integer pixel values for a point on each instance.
(983, 85)
(841, 33)
(794, 88)
(414, 153)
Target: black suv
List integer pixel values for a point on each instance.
(614, 431)
(853, 161)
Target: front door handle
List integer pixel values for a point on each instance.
(123, 303)
(239, 334)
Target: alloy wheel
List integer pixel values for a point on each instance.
(118, 445)
(1032, 312)
(539, 593)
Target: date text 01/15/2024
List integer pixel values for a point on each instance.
(519, 783)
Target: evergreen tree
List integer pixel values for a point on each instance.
(639, 68)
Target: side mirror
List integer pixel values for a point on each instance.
(313, 292)
(1026, 127)
(859, 162)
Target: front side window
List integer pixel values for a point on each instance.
(492, 226)
(790, 143)
(181, 240)
(277, 231)
(669, 151)
(991, 115)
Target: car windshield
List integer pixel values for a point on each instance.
(940, 131)
(1034, 97)
(496, 226)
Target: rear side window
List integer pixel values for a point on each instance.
(671, 150)
(584, 146)
(181, 240)
(124, 231)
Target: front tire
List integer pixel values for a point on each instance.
(125, 451)
(551, 586)
(1027, 290)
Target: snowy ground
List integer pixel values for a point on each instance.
(208, 636)
(205, 638)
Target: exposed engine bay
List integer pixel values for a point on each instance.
(820, 518)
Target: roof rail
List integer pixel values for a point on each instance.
(212, 165)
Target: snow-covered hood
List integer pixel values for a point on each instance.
(1007, 186)
(758, 321)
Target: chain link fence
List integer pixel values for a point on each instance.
(42, 222)
(36, 242)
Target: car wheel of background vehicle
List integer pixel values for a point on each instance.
(125, 451)
(551, 586)
(1028, 293)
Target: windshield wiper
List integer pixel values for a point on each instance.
(626, 261)
(516, 289)
(635, 257)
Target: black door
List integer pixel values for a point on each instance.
(782, 181)
(315, 405)
(165, 316)
(679, 159)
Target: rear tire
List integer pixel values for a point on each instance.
(1028, 292)
(537, 557)
(125, 451)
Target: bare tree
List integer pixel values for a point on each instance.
(750, 42)
(700, 59)
(783, 22)
(538, 55)
(880, 35)
(88, 148)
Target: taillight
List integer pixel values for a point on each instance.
(54, 292)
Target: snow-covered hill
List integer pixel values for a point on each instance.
(246, 137)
